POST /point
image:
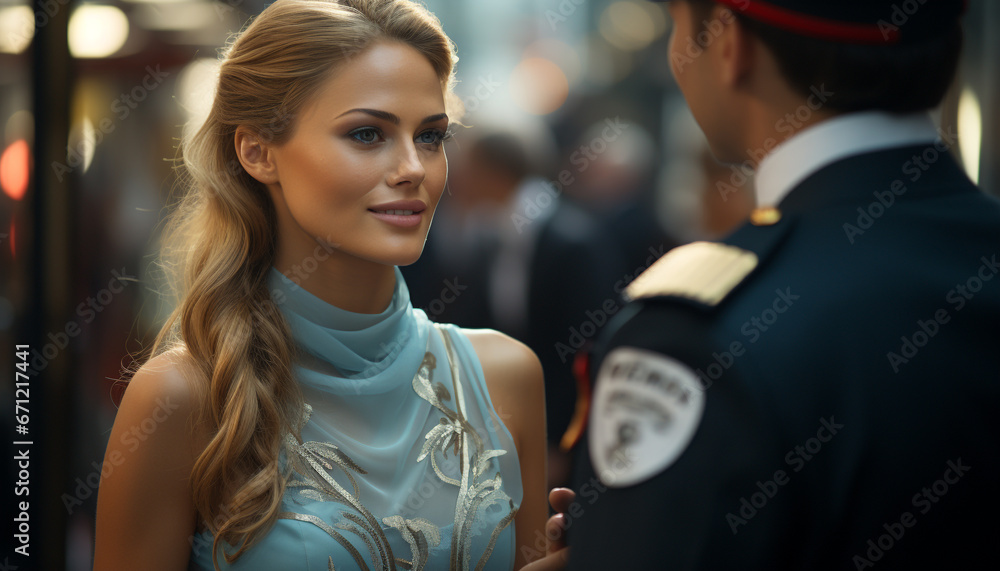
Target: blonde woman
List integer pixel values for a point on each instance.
(306, 415)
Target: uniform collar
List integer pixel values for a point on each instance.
(843, 136)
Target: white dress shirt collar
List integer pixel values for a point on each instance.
(792, 161)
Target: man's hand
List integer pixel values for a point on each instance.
(555, 530)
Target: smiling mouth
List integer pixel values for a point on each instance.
(395, 212)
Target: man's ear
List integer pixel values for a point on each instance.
(738, 51)
(256, 157)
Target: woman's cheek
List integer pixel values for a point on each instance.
(438, 176)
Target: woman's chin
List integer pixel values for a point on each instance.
(401, 257)
(407, 260)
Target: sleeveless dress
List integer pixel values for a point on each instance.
(403, 464)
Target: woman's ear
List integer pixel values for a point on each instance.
(256, 157)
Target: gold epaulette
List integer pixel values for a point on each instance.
(703, 271)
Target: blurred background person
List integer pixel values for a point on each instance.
(517, 254)
(616, 182)
(699, 198)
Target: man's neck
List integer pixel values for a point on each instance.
(771, 125)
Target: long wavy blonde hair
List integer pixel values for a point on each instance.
(219, 244)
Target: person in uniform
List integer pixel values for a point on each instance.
(820, 389)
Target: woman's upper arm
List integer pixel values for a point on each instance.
(516, 385)
(145, 514)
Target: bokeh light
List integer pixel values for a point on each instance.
(606, 65)
(177, 16)
(560, 53)
(970, 132)
(97, 31)
(15, 164)
(20, 125)
(17, 28)
(83, 141)
(632, 26)
(538, 86)
(196, 86)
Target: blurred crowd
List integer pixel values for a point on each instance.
(539, 243)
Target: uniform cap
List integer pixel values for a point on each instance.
(855, 21)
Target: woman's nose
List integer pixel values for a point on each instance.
(409, 169)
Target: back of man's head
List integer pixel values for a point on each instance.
(898, 56)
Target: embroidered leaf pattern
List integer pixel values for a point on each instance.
(313, 464)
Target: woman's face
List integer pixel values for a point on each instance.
(365, 166)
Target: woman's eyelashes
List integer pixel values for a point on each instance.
(369, 136)
(366, 135)
(434, 137)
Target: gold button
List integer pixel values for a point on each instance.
(765, 216)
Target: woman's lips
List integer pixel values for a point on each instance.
(401, 218)
(401, 213)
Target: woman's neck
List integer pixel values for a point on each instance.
(345, 281)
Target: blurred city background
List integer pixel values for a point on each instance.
(580, 168)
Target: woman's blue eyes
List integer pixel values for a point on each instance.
(432, 137)
(373, 135)
(366, 135)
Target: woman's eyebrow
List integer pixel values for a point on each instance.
(392, 117)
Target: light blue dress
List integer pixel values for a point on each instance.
(403, 464)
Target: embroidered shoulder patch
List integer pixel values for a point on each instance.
(647, 408)
(703, 271)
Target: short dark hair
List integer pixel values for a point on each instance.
(505, 152)
(900, 78)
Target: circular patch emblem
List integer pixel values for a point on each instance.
(647, 407)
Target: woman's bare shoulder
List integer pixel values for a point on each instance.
(168, 375)
(514, 379)
(505, 357)
(151, 450)
(168, 389)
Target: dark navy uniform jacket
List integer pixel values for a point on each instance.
(850, 389)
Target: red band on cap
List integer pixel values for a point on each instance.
(811, 25)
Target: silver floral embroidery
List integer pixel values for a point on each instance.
(312, 463)
(420, 534)
(455, 433)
